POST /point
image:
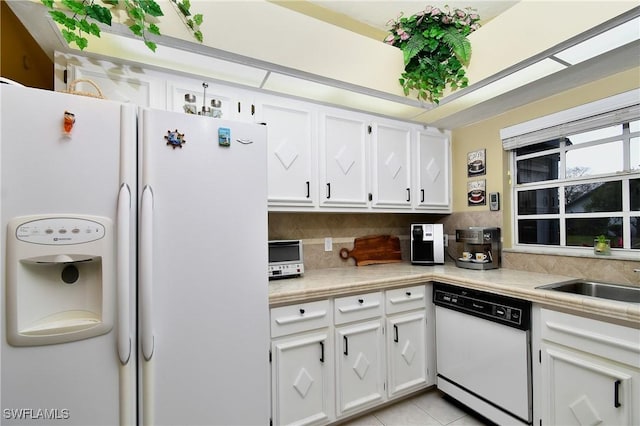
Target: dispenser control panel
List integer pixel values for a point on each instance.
(60, 231)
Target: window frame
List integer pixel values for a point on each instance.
(562, 182)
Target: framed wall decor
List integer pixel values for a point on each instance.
(476, 192)
(476, 163)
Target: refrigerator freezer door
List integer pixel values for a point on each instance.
(206, 362)
(47, 172)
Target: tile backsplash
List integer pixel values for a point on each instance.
(343, 228)
(609, 270)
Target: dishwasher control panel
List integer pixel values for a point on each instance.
(493, 307)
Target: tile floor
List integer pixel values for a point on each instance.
(427, 409)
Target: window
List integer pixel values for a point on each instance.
(579, 184)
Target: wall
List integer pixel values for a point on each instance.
(21, 58)
(486, 134)
(343, 228)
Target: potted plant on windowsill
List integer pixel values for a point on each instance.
(436, 49)
(601, 245)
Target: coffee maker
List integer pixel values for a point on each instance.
(427, 243)
(482, 248)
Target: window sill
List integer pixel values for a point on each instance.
(616, 254)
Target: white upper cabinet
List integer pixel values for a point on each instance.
(320, 158)
(433, 169)
(228, 103)
(391, 166)
(343, 159)
(291, 139)
(120, 83)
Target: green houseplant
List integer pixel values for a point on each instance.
(601, 245)
(79, 18)
(436, 49)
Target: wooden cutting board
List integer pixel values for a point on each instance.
(374, 249)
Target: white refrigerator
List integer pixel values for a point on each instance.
(134, 259)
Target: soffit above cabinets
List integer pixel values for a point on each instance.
(265, 46)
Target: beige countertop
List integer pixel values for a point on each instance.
(325, 283)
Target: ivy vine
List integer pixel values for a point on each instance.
(80, 18)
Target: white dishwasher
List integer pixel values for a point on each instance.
(484, 352)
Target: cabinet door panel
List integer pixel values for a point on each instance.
(125, 86)
(301, 380)
(406, 343)
(290, 154)
(359, 366)
(391, 166)
(581, 390)
(343, 161)
(433, 170)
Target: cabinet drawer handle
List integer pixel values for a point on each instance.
(308, 190)
(346, 345)
(298, 318)
(328, 190)
(347, 309)
(616, 394)
(321, 351)
(408, 298)
(395, 333)
(422, 195)
(408, 195)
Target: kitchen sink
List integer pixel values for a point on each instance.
(597, 289)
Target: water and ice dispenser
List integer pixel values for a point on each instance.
(60, 279)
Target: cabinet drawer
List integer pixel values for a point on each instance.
(405, 299)
(300, 317)
(357, 307)
(601, 338)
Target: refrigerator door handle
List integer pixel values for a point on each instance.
(123, 273)
(146, 264)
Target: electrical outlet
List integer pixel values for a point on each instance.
(446, 240)
(328, 244)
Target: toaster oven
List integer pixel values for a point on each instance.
(285, 259)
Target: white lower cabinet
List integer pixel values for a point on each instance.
(338, 357)
(301, 364)
(406, 343)
(406, 339)
(588, 371)
(359, 352)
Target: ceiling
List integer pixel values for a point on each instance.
(499, 82)
(370, 17)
